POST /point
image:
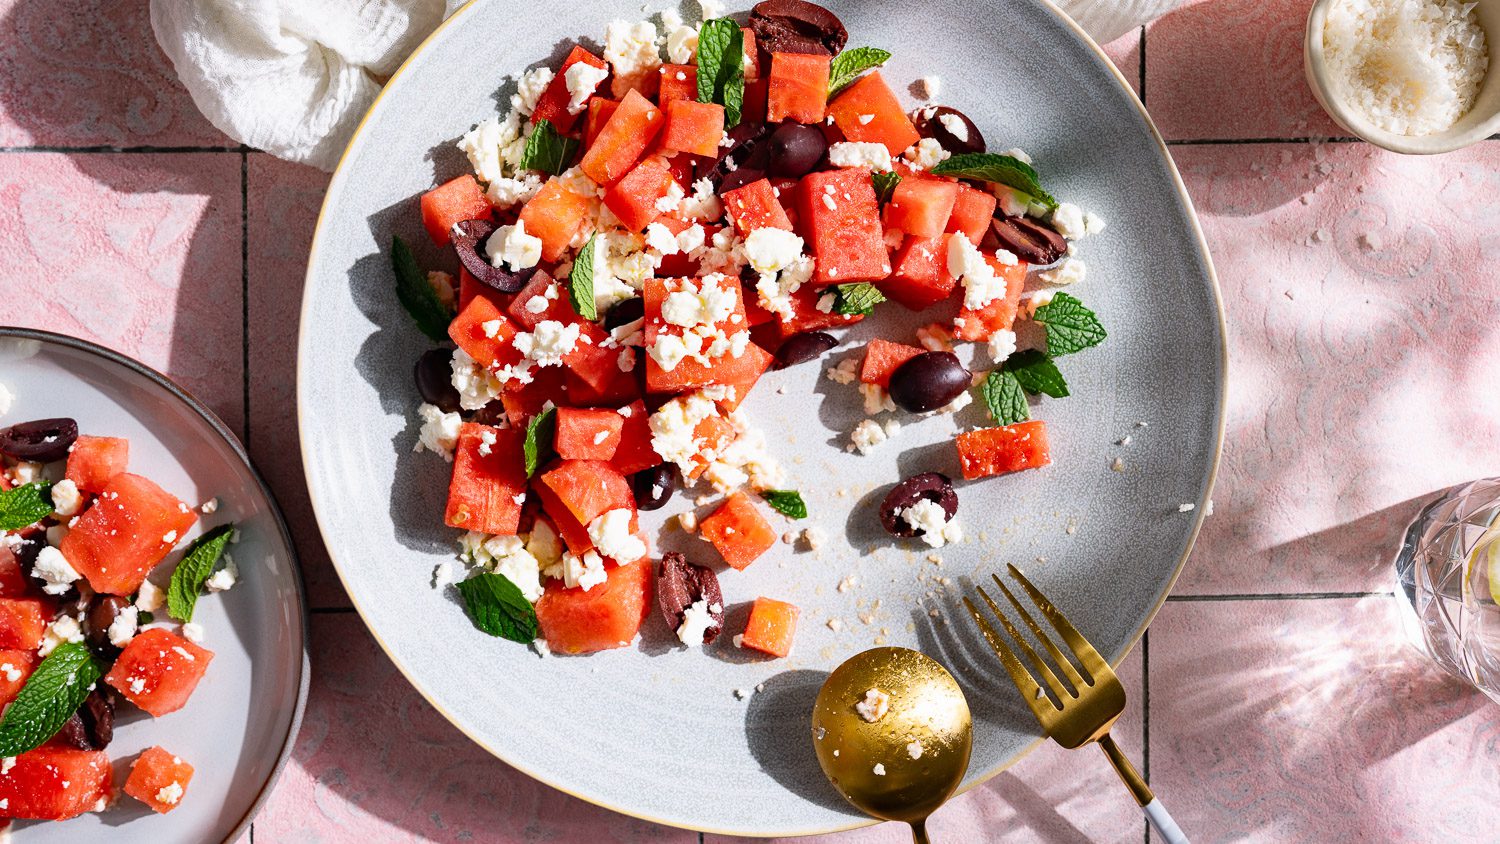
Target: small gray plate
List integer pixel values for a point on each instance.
(238, 728)
(655, 730)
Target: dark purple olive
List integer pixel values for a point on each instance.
(27, 549)
(434, 374)
(797, 26)
(803, 347)
(680, 584)
(41, 441)
(492, 414)
(469, 237)
(92, 726)
(949, 127)
(795, 149)
(929, 381)
(746, 148)
(739, 178)
(625, 313)
(101, 614)
(653, 487)
(1031, 240)
(929, 486)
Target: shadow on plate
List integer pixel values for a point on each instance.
(778, 730)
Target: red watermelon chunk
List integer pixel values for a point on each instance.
(589, 488)
(635, 451)
(842, 217)
(489, 475)
(738, 531)
(1000, 313)
(869, 111)
(587, 433)
(129, 529)
(799, 87)
(453, 202)
(159, 779)
(55, 782)
(693, 127)
(609, 615)
(633, 198)
(756, 206)
(23, 622)
(882, 357)
(94, 461)
(919, 278)
(972, 212)
(15, 668)
(921, 206)
(159, 670)
(485, 334)
(552, 105)
(998, 451)
(678, 82)
(624, 138)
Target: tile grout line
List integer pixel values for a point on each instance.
(1142, 73)
(1146, 721)
(245, 287)
(137, 150)
(1280, 596)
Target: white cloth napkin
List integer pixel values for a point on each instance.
(293, 77)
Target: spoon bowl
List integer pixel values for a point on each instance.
(907, 762)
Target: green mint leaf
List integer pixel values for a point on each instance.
(416, 295)
(885, 185)
(197, 564)
(24, 506)
(540, 433)
(851, 63)
(856, 299)
(1002, 169)
(52, 693)
(1036, 373)
(721, 67)
(1070, 326)
(787, 502)
(498, 607)
(548, 151)
(1004, 397)
(581, 281)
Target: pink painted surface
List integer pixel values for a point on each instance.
(1363, 364)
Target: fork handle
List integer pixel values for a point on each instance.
(1156, 813)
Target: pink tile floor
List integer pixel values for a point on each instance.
(1272, 699)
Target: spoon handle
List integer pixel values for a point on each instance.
(919, 832)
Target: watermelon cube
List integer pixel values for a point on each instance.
(453, 202)
(482, 330)
(738, 531)
(998, 451)
(15, 668)
(587, 433)
(678, 82)
(882, 357)
(159, 779)
(94, 461)
(589, 488)
(693, 127)
(129, 529)
(634, 197)
(921, 206)
(159, 670)
(628, 133)
(556, 215)
(1000, 314)
(23, 621)
(552, 105)
(55, 782)
(771, 627)
(869, 111)
(635, 451)
(972, 211)
(489, 480)
(609, 615)
(755, 206)
(798, 87)
(919, 275)
(842, 217)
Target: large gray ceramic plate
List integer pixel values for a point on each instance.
(654, 730)
(237, 730)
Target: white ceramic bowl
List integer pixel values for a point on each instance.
(1482, 121)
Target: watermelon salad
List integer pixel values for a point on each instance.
(647, 229)
(90, 619)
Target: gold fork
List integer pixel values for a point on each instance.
(1086, 707)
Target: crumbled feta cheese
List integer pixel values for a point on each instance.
(191, 632)
(584, 572)
(1002, 345)
(582, 78)
(509, 191)
(548, 342)
(225, 578)
(1067, 218)
(485, 144)
(1032, 301)
(931, 522)
(963, 400)
(12, 673)
(771, 250)
(439, 431)
(514, 248)
(877, 400)
(661, 238)
(981, 284)
(711, 9)
(926, 154)
(845, 372)
(1070, 271)
(866, 435)
(860, 154)
(610, 532)
(1019, 154)
(6, 764)
(64, 628)
(66, 498)
(697, 620)
(955, 126)
(476, 385)
(149, 597)
(682, 41)
(1009, 201)
(544, 544)
(774, 290)
(914, 749)
(873, 706)
(672, 200)
(508, 556)
(703, 205)
(930, 86)
(631, 49)
(53, 569)
(1092, 223)
(1186, 508)
(169, 794)
(209, 507)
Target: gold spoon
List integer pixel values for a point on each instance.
(904, 764)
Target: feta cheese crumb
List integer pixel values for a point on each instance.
(845, 372)
(930, 87)
(879, 769)
(209, 507)
(1186, 508)
(124, 627)
(1002, 345)
(611, 535)
(512, 247)
(64, 628)
(225, 578)
(169, 794)
(582, 78)
(54, 570)
(866, 435)
(931, 522)
(770, 250)
(631, 49)
(914, 749)
(438, 434)
(965, 262)
(12, 673)
(149, 597)
(1067, 218)
(926, 154)
(873, 706)
(814, 537)
(192, 632)
(66, 498)
(697, 620)
(860, 154)
(1070, 271)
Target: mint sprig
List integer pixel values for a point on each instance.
(548, 151)
(856, 299)
(1070, 326)
(787, 502)
(851, 63)
(25, 505)
(721, 67)
(416, 295)
(197, 565)
(581, 281)
(1001, 169)
(885, 185)
(1004, 396)
(52, 693)
(541, 431)
(1036, 373)
(498, 608)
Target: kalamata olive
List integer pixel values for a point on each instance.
(469, 238)
(102, 613)
(41, 440)
(680, 584)
(92, 726)
(803, 347)
(949, 127)
(796, 26)
(928, 486)
(653, 487)
(795, 149)
(746, 148)
(739, 178)
(625, 313)
(434, 374)
(26, 550)
(929, 381)
(1031, 240)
